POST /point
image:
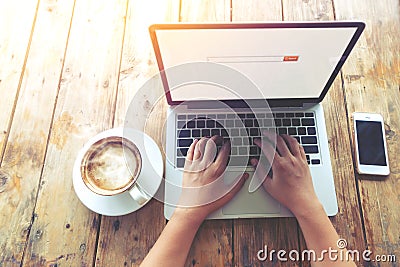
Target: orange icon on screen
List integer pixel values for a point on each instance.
(290, 58)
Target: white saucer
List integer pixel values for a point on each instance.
(149, 179)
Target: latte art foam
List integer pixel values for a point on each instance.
(112, 166)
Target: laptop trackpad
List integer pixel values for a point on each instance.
(258, 202)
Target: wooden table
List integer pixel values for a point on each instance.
(68, 70)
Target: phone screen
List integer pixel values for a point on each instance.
(370, 143)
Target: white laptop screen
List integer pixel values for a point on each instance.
(285, 63)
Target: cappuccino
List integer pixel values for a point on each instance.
(111, 166)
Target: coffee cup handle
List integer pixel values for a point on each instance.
(138, 195)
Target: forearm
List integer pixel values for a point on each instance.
(321, 237)
(173, 245)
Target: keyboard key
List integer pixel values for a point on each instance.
(182, 152)
(309, 114)
(224, 133)
(279, 115)
(191, 117)
(201, 124)
(254, 150)
(221, 116)
(297, 138)
(237, 141)
(286, 122)
(315, 161)
(238, 123)
(230, 116)
(260, 115)
(282, 130)
(248, 123)
(205, 132)
(250, 115)
(184, 133)
(234, 150)
(299, 114)
(311, 149)
(215, 132)
(267, 122)
(308, 140)
(181, 117)
(184, 142)
(181, 124)
(289, 115)
(308, 122)
(308, 157)
(191, 124)
(195, 133)
(212, 116)
(292, 131)
(278, 122)
(242, 115)
(234, 132)
(180, 162)
(229, 123)
(296, 122)
(243, 132)
(243, 151)
(210, 123)
(301, 131)
(255, 122)
(254, 132)
(311, 130)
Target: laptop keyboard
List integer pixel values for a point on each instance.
(242, 128)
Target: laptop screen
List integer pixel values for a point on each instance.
(284, 60)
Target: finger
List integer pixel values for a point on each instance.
(189, 155)
(267, 148)
(199, 148)
(292, 144)
(210, 149)
(302, 153)
(281, 146)
(223, 155)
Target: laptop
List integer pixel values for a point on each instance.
(238, 79)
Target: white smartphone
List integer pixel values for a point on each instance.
(370, 144)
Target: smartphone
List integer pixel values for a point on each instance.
(370, 143)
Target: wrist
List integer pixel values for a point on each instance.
(188, 216)
(309, 211)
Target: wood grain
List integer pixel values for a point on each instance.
(213, 242)
(252, 235)
(25, 151)
(348, 220)
(372, 82)
(126, 240)
(15, 27)
(64, 231)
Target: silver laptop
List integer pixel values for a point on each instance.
(236, 79)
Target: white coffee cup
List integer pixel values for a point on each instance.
(111, 166)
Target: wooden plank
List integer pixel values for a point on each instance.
(205, 11)
(348, 221)
(256, 10)
(16, 25)
(212, 245)
(252, 235)
(371, 82)
(26, 147)
(137, 66)
(64, 231)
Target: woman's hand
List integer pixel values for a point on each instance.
(291, 182)
(203, 189)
